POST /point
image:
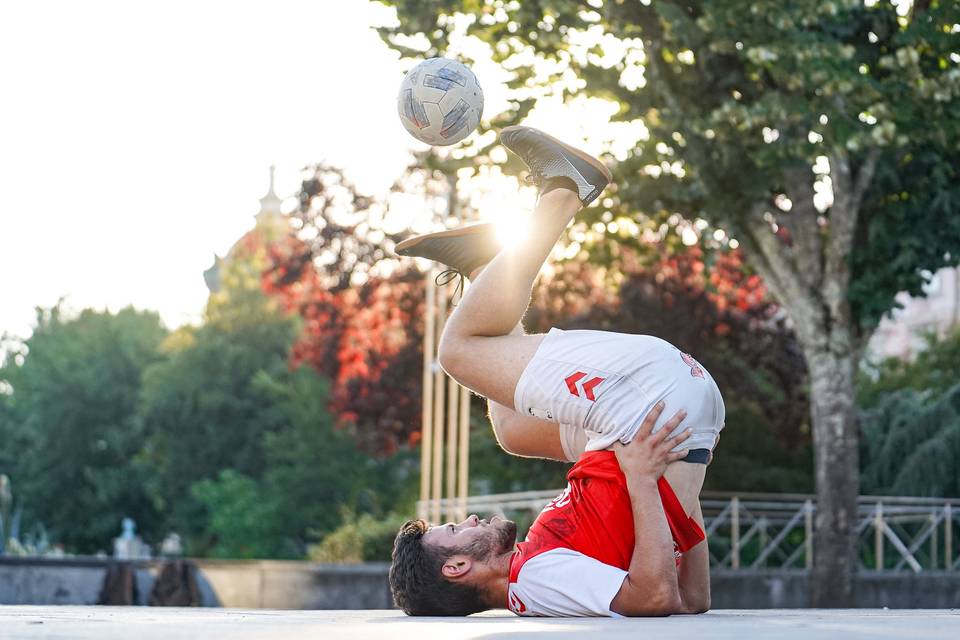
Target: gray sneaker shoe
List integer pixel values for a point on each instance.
(463, 249)
(550, 159)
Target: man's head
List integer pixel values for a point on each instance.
(442, 570)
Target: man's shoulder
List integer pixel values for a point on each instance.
(560, 582)
(541, 558)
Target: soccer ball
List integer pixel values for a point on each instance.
(440, 101)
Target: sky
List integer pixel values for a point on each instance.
(136, 138)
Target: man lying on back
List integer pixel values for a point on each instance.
(625, 537)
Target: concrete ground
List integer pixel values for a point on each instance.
(126, 623)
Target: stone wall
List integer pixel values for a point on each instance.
(303, 585)
(265, 584)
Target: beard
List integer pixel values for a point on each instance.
(500, 539)
(507, 535)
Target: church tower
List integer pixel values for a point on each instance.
(270, 226)
(270, 218)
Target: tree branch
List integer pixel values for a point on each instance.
(803, 225)
(770, 258)
(864, 177)
(847, 198)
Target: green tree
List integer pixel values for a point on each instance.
(935, 370)
(312, 472)
(803, 129)
(911, 444)
(361, 538)
(69, 424)
(241, 522)
(314, 467)
(201, 409)
(911, 423)
(245, 457)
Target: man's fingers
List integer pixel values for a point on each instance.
(675, 420)
(650, 420)
(680, 437)
(678, 455)
(669, 426)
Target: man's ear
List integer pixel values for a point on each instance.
(456, 567)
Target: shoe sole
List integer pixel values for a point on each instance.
(586, 157)
(410, 243)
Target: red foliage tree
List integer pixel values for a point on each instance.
(362, 316)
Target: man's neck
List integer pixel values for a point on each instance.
(495, 588)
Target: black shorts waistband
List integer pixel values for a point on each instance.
(697, 456)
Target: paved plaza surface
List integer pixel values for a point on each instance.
(139, 623)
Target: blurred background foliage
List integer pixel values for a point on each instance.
(262, 432)
(910, 423)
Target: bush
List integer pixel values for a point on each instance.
(910, 423)
(242, 524)
(362, 538)
(911, 444)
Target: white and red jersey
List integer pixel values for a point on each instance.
(577, 552)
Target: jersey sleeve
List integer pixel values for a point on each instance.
(564, 582)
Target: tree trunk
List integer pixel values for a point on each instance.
(836, 468)
(808, 270)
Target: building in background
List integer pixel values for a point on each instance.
(250, 251)
(903, 332)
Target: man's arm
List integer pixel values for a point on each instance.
(694, 574)
(651, 587)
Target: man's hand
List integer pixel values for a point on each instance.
(651, 587)
(648, 454)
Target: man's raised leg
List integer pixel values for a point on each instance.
(477, 347)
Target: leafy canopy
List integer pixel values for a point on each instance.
(737, 101)
(69, 430)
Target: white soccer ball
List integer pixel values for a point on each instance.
(440, 101)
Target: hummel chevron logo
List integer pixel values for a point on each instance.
(587, 386)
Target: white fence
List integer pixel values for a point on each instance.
(767, 531)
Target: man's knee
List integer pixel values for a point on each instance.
(500, 422)
(506, 430)
(509, 438)
(450, 354)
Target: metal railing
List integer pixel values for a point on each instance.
(768, 531)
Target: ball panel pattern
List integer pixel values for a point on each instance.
(440, 101)
(413, 110)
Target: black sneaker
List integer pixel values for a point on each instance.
(463, 249)
(548, 159)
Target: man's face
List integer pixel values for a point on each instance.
(477, 538)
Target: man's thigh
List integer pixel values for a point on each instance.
(686, 479)
(492, 366)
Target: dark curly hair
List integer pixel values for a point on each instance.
(417, 582)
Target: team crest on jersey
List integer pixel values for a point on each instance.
(695, 369)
